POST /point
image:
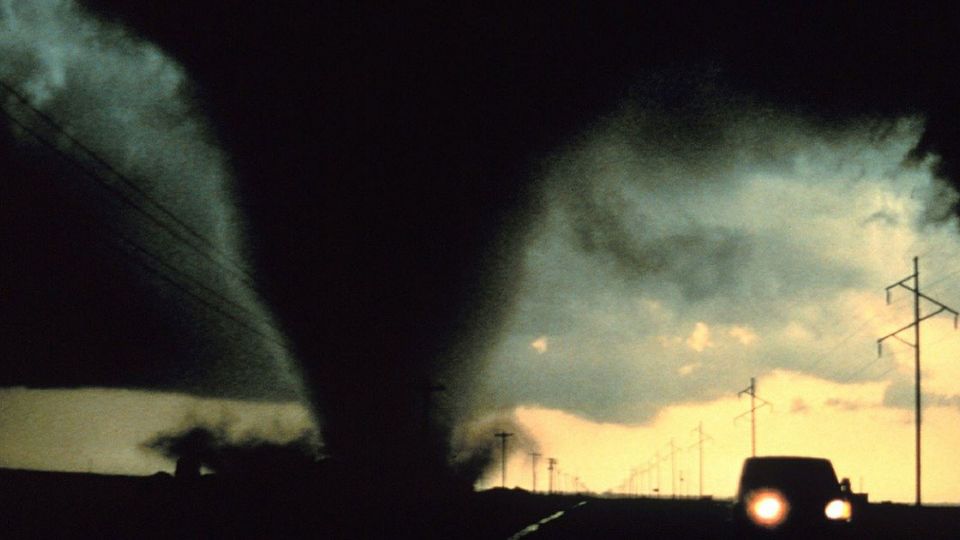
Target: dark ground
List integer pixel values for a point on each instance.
(74, 505)
(664, 518)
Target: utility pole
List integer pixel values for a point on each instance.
(673, 468)
(917, 319)
(752, 392)
(701, 438)
(534, 456)
(503, 456)
(551, 466)
(650, 477)
(658, 473)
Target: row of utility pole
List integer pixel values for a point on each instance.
(636, 477)
(562, 480)
(634, 483)
(559, 481)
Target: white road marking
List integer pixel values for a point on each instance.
(530, 529)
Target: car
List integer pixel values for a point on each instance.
(784, 494)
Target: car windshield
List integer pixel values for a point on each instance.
(797, 476)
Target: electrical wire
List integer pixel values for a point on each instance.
(211, 252)
(159, 267)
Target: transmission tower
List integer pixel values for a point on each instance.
(917, 319)
(752, 392)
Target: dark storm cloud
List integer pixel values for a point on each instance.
(622, 185)
(651, 289)
(701, 260)
(250, 454)
(384, 157)
(475, 447)
(941, 204)
(128, 263)
(883, 217)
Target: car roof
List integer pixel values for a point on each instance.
(787, 458)
(790, 473)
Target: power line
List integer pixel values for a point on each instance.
(942, 279)
(915, 325)
(861, 369)
(165, 270)
(873, 361)
(102, 162)
(179, 286)
(850, 375)
(220, 259)
(192, 294)
(645, 479)
(827, 353)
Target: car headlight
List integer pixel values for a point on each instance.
(767, 508)
(838, 509)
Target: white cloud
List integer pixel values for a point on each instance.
(669, 341)
(699, 339)
(797, 331)
(687, 369)
(744, 335)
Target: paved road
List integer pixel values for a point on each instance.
(665, 518)
(633, 518)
